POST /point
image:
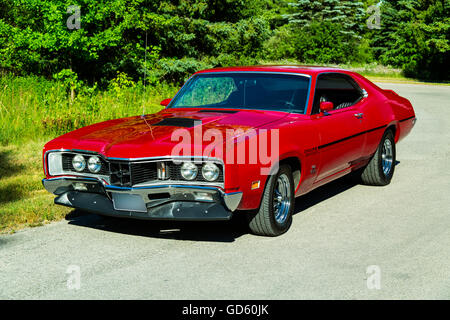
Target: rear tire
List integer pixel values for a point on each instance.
(274, 216)
(380, 169)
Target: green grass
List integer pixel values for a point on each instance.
(23, 200)
(33, 107)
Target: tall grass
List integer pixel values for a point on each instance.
(33, 107)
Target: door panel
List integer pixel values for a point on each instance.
(342, 140)
(341, 131)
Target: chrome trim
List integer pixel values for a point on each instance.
(339, 72)
(199, 159)
(134, 159)
(61, 185)
(127, 189)
(232, 200)
(54, 160)
(257, 71)
(53, 184)
(281, 199)
(154, 159)
(74, 173)
(181, 211)
(387, 157)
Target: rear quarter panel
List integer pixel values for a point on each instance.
(403, 113)
(386, 109)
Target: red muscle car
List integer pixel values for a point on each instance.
(244, 138)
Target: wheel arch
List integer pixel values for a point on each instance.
(395, 130)
(296, 167)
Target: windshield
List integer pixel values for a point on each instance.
(263, 91)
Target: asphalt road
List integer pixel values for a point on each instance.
(338, 232)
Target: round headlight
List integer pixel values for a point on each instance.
(188, 171)
(94, 164)
(210, 172)
(78, 163)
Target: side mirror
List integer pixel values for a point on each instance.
(165, 102)
(326, 106)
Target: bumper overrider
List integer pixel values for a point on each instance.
(160, 202)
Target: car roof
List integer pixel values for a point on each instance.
(310, 70)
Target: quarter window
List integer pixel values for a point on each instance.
(340, 89)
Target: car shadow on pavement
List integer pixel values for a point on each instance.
(220, 231)
(323, 193)
(327, 191)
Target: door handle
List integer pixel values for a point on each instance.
(359, 115)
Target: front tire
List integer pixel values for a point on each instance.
(381, 167)
(274, 216)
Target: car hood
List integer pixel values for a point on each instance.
(151, 135)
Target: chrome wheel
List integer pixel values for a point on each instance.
(380, 169)
(274, 216)
(387, 157)
(282, 199)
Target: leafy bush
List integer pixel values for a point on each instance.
(178, 70)
(324, 43)
(281, 45)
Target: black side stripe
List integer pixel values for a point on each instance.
(407, 119)
(350, 137)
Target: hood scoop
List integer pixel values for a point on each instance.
(218, 111)
(179, 122)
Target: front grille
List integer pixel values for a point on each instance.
(143, 172)
(128, 174)
(120, 173)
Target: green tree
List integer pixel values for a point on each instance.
(319, 31)
(34, 38)
(415, 36)
(324, 43)
(349, 15)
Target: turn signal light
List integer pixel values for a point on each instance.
(255, 185)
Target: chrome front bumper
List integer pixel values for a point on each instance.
(177, 202)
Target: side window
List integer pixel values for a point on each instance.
(338, 88)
